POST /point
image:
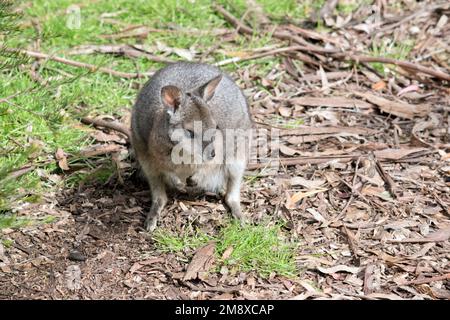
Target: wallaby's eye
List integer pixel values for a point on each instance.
(190, 133)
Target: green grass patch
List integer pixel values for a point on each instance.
(7, 243)
(261, 248)
(399, 51)
(12, 221)
(170, 242)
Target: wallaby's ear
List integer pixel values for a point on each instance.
(207, 90)
(171, 97)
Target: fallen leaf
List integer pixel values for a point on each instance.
(100, 149)
(334, 102)
(398, 108)
(202, 261)
(438, 236)
(100, 136)
(227, 253)
(316, 215)
(60, 155)
(396, 154)
(287, 150)
(339, 268)
(308, 184)
(410, 88)
(285, 111)
(290, 204)
(380, 85)
(388, 296)
(309, 130)
(148, 262)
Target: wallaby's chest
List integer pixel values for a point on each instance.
(206, 177)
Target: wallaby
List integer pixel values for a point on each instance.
(191, 111)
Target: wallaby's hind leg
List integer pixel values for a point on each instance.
(235, 171)
(159, 200)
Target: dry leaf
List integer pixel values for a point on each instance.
(336, 102)
(439, 236)
(60, 155)
(202, 261)
(308, 184)
(227, 253)
(339, 268)
(290, 203)
(400, 109)
(380, 85)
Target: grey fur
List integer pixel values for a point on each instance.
(222, 106)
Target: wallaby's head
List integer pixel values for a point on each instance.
(192, 128)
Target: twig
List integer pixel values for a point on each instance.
(210, 289)
(300, 160)
(194, 287)
(259, 55)
(404, 64)
(368, 277)
(233, 20)
(351, 243)
(78, 64)
(97, 150)
(386, 177)
(108, 124)
(20, 172)
(428, 280)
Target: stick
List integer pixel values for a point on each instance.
(210, 289)
(428, 280)
(108, 124)
(300, 160)
(404, 64)
(259, 55)
(78, 64)
(386, 177)
(233, 20)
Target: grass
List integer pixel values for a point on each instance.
(399, 51)
(7, 243)
(34, 124)
(11, 221)
(170, 242)
(261, 248)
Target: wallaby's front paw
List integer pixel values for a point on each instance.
(222, 192)
(181, 187)
(191, 182)
(150, 223)
(236, 212)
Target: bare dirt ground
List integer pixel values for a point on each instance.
(363, 184)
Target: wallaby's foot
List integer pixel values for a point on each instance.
(235, 208)
(159, 200)
(233, 196)
(152, 216)
(151, 222)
